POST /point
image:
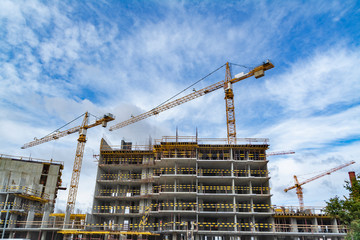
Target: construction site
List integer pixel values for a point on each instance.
(176, 187)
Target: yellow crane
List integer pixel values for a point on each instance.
(229, 99)
(82, 129)
(280, 153)
(298, 185)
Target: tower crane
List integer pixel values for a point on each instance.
(280, 153)
(229, 99)
(82, 129)
(298, 185)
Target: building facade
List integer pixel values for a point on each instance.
(28, 191)
(185, 187)
(176, 188)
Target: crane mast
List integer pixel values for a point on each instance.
(74, 183)
(230, 107)
(298, 185)
(229, 99)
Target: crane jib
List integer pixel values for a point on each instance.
(261, 68)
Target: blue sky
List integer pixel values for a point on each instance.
(59, 59)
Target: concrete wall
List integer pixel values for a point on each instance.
(17, 173)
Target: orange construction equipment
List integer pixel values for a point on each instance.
(298, 185)
(229, 99)
(82, 129)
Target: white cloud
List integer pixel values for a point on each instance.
(316, 83)
(315, 131)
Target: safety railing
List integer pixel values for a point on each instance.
(24, 190)
(30, 159)
(295, 210)
(122, 192)
(194, 139)
(80, 224)
(309, 228)
(173, 171)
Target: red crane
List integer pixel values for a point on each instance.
(298, 185)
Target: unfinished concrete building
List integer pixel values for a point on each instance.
(178, 188)
(185, 187)
(191, 188)
(28, 190)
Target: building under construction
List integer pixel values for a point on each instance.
(178, 188)
(28, 191)
(191, 188)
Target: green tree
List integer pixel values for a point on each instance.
(347, 210)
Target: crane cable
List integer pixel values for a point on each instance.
(70, 123)
(190, 86)
(208, 75)
(239, 65)
(65, 125)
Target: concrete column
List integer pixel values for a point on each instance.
(234, 202)
(175, 185)
(272, 221)
(142, 205)
(200, 202)
(250, 188)
(12, 235)
(315, 226)
(335, 228)
(174, 224)
(235, 222)
(28, 235)
(46, 214)
(174, 237)
(232, 169)
(233, 186)
(30, 217)
(45, 219)
(120, 223)
(12, 217)
(67, 218)
(253, 221)
(251, 205)
(43, 235)
(144, 173)
(293, 225)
